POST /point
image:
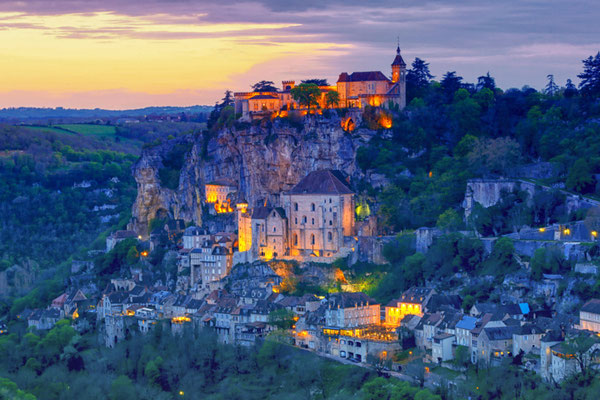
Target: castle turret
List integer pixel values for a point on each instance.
(398, 67)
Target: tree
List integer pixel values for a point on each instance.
(590, 77)
(551, 87)
(450, 84)
(485, 81)
(547, 261)
(417, 79)
(122, 389)
(227, 100)
(264, 86)
(282, 318)
(581, 348)
(494, 155)
(449, 221)
(318, 82)
(332, 98)
(580, 177)
(379, 361)
(306, 94)
(570, 89)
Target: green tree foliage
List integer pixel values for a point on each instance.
(548, 260)
(590, 77)
(332, 98)
(306, 94)
(264, 86)
(282, 318)
(318, 82)
(417, 79)
(580, 177)
(449, 221)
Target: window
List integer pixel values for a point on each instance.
(274, 229)
(304, 219)
(295, 206)
(312, 206)
(330, 222)
(312, 239)
(295, 239)
(313, 221)
(296, 220)
(329, 236)
(329, 202)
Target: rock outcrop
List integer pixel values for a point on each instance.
(263, 160)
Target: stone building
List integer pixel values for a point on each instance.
(350, 310)
(589, 316)
(355, 90)
(315, 218)
(211, 262)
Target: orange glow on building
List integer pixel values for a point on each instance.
(144, 253)
(385, 121)
(180, 320)
(224, 207)
(595, 234)
(75, 314)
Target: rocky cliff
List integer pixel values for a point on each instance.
(262, 159)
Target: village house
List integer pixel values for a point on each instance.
(349, 310)
(495, 344)
(565, 362)
(218, 194)
(441, 348)
(355, 90)
(527, 339)
(193, 237)
(412, 302)
(44, 319)
(211, 262)
(589, 316)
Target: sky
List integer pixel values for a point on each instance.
(120, 54)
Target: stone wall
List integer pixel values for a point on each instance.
(263, 160)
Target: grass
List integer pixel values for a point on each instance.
(89, 129)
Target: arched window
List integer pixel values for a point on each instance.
(304, 219)
(312, 206)
(313, 221)
(296, 220)
(295, 239)
(295, 206)
(330, 222)
(312, 239)
(274, 229)
(329, 236)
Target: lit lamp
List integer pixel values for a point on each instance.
(594, 234)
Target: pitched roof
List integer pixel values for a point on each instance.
(348, 300)
(502, 333)
(398, 60)
(592, 306)
(362, 76)
(467, 322)
(260, 212)
(322, 182)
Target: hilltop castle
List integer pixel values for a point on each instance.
(355, 90)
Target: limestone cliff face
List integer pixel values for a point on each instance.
(263, 160)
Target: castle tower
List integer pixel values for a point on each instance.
(399, 77)
(398, 67)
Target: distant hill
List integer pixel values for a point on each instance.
(30, 113)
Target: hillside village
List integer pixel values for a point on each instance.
(234, 283)
(280, 223)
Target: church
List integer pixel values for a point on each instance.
(355, 90)
(314, 220)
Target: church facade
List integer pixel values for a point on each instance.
(314, 218)
(355, 90)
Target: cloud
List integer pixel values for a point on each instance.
(519, 42)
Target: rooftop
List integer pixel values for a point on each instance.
(322, 182)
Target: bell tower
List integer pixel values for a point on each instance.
(398, 67)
